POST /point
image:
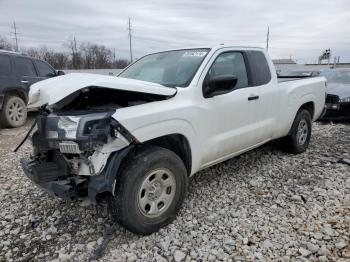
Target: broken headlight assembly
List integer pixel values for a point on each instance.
(86, 130)
(70, 126)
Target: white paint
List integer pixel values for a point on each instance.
(216, 128)
(227, 125)
(53, 90)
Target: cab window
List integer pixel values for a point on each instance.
(230, 63)
(260, 70)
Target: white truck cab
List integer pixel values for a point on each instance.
(136, 138)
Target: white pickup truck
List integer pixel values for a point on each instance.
(136, 138)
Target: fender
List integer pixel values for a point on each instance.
(294, 104)
(106, 181)
(168, 127)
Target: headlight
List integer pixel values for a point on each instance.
(345, 100)
(70, 125)
(87, 127)
(332, 106)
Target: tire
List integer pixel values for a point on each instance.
(150, 190)
(299, 136)
(14, 112)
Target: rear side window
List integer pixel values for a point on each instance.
(44, 70)
(25, 66)
(5, 65)
(259, 68)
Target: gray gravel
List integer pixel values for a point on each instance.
(264, 205)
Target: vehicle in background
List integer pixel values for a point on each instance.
(135, 139)
(338, 94)
(298, 73)
(17, 73)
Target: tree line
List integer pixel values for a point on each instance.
(77, 55)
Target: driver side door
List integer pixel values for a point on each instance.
(228, 120)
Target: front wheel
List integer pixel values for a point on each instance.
(149, 190)
(299, 136)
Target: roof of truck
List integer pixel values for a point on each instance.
(212, 48)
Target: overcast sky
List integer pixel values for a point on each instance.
(298, 28)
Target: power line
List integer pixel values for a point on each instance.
(15, 33)
(129, 30)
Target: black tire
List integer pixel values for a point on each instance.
(125, 206)
(293, 142)
(13, 112)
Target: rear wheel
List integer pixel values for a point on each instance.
(149, 190)
(299, 136)
(14, 112)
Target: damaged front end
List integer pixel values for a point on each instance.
(71, 152)
(78, 145)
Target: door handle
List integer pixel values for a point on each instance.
(25, 82)
(253, 98)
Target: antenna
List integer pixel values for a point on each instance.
(129, 32)
(267, 38)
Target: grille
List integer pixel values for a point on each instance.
(69, 147)
(332, 99)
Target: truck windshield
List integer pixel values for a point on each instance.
(172, 68)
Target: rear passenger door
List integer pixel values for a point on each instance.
(268, 101)
(26, 72)
(44, 70)
(7, 77)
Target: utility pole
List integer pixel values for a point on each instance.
(267, 38)
(15, 35)
(129, 30)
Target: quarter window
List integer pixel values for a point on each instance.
(230, 63)
(25, 66)
(5, 65)
(260, 70)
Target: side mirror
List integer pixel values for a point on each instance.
(60, 72)
(219, 85)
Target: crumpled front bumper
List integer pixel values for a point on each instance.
(49, 177)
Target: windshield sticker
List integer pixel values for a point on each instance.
(194, 53)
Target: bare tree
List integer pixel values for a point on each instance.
(75, 54)
(96, 56)
(120, 63)
(86, 55)
(58, 60)
(5, 44)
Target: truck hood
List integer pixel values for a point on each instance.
(53, 90)
(341, 90)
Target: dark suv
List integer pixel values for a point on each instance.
(17, 73)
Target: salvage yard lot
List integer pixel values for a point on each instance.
(263, 205)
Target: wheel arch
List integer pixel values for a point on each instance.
(176, 143)
(307, 105)
(310, 107)
(17, 91)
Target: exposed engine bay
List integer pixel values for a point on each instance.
(103, 99)
(75, 138)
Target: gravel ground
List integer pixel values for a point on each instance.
(264, 205)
